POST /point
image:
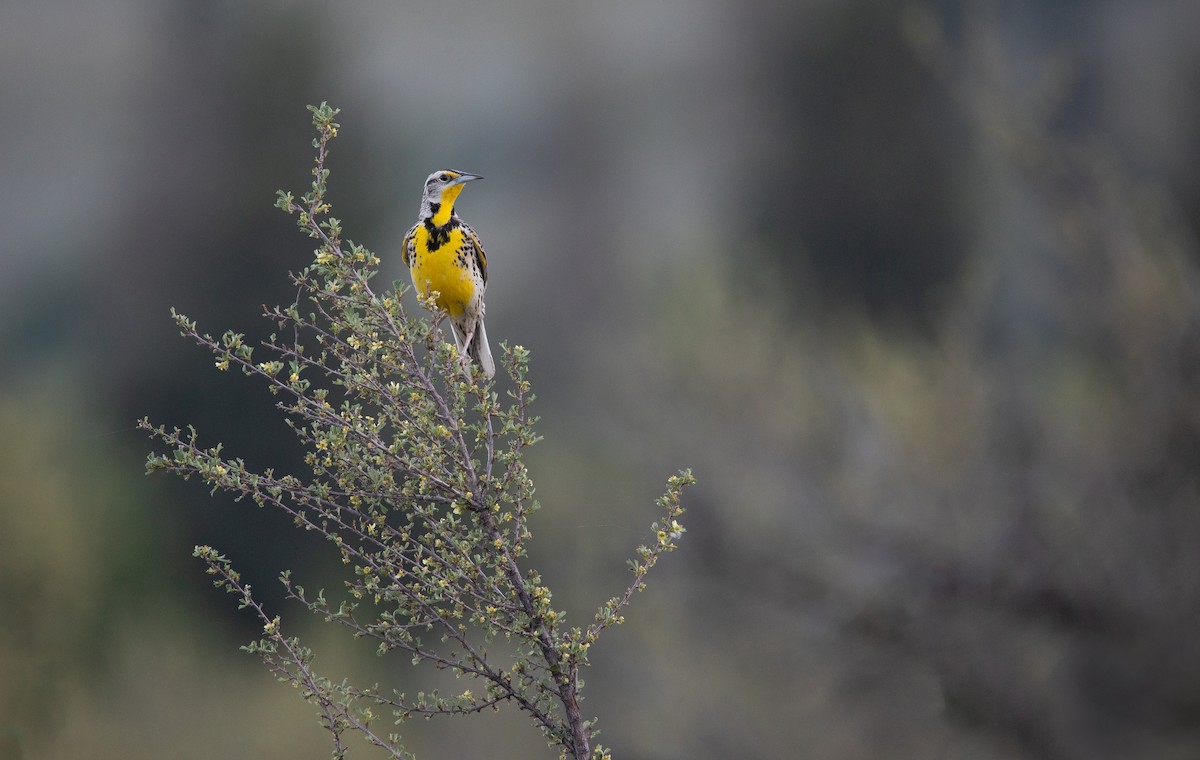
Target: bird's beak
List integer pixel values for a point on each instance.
(465, 177)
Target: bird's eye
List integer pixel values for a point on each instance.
(445, 178)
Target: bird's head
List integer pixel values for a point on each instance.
(441, 189)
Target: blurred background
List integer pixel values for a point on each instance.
(911, 286)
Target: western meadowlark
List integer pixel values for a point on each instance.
(443, 254)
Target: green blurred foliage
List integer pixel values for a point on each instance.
(99, 657)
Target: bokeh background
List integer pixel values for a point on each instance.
(911, 286)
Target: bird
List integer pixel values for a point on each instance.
(444, 255)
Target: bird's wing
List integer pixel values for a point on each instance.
(407, 247)
(480, 256)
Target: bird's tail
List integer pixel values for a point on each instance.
(479, 351)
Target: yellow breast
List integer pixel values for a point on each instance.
(446, 270)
